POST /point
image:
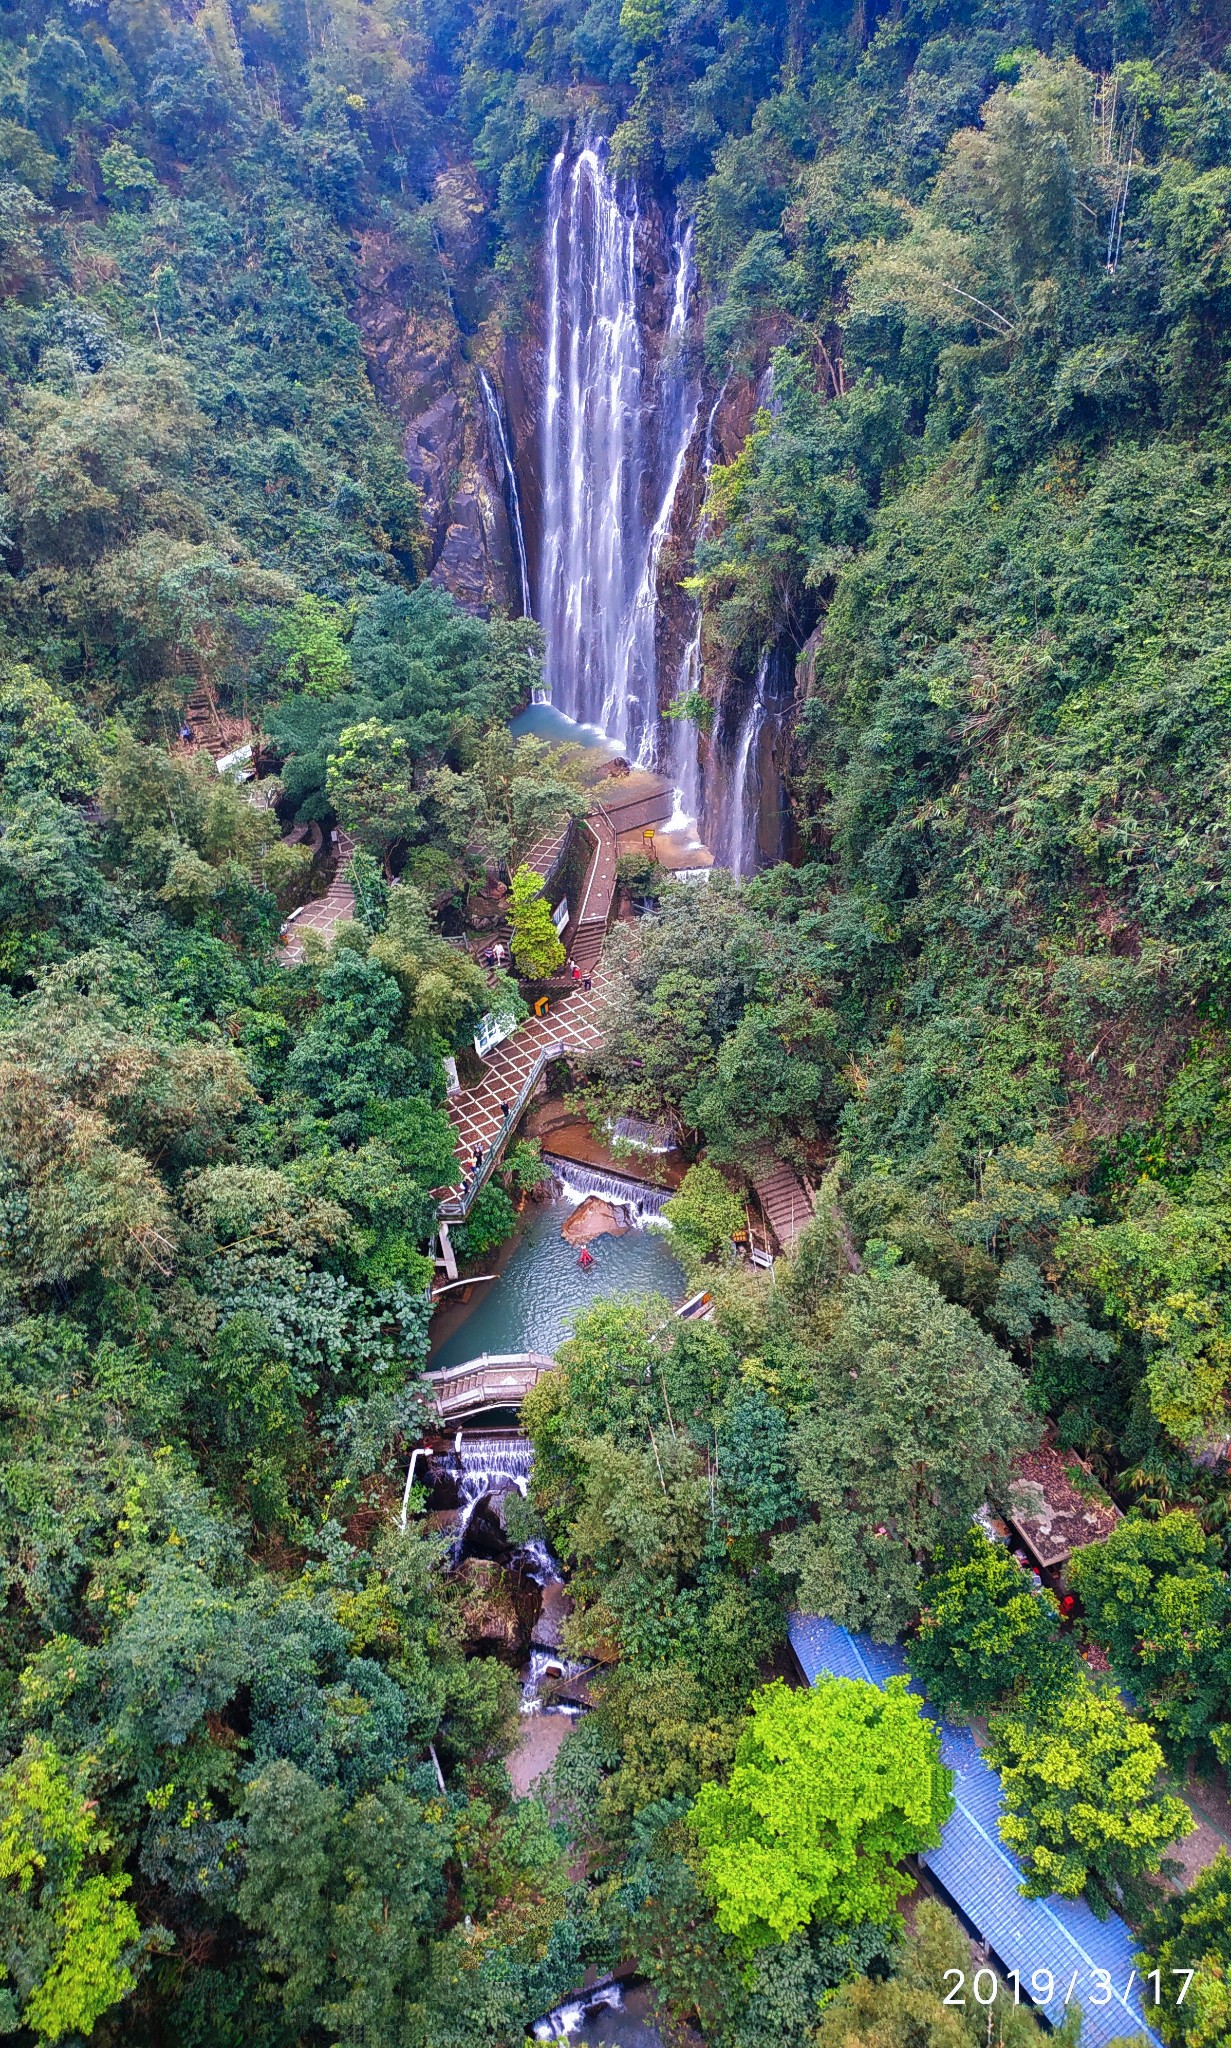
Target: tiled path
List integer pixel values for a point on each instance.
(321, 915)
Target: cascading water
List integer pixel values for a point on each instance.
(485, 1465)
(506, 476)
(737, 848)
(685, 758)
(751, 826)
(636, 1196)
(616, 432)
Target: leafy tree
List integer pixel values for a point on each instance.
(881, 2011)
(126, 175)
(830, 1788)
(1191, 1930)
(705, 1214)
(1156, 1598)
(342, 1898)
(914, 1418)
(310, 647)
(536, 944)
(1083, 1804)
(1161, 1273)
(986, 1635)
(370, 785)
(71, 1937)
(44, 744)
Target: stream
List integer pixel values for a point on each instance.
(541, 1289)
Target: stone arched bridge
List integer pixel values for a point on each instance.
(499, 1379)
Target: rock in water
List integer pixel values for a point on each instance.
(594, 1218)
(548, 1632)
(491, 1619)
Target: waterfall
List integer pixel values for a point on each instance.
(636, 1196)
(548, 1664)
(506, 476)
(615, 438)
(685, 760)
(486, 1465)
(750, 828)
(739, 836)
(570, 2017)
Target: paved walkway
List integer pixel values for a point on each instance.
(321, 915)
(571, 1025)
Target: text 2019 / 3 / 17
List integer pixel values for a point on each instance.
(1043, 1987)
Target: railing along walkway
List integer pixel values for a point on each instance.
(511, 1071)
(499, 1379)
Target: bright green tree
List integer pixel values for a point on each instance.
(69, 1934)
(1192, 1931)
(536, 943)
(705, 1214)
(1084, 1805)
(986, 1634)
(1158, 1600)
(370, 782)
(830, 1789)
(310, 647)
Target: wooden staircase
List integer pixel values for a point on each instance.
(785, 1203)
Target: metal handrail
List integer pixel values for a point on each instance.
(455, 1208)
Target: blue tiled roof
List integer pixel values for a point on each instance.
(979, 1874)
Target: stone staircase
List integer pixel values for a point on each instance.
(324, 912)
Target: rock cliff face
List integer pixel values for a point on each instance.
(421, 373)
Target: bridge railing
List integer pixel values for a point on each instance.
(455, 1208)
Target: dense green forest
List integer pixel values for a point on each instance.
(252, 1786)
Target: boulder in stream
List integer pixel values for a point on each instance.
(549, 1628)
(594, 1218)
(492, 1615)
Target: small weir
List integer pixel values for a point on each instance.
(623, 1192)
(488, 1466)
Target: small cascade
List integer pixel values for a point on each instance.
(546, 1664)
(739, 834)
(635, 1196)
(484, 1465)
(615, 437)
(749, 832)
(646, 1137)
(685, 757)
(570, 2017)
(539, 1563)
(506, 475)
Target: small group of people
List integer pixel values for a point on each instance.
(495, 956)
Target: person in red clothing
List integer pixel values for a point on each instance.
(587, 1257)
